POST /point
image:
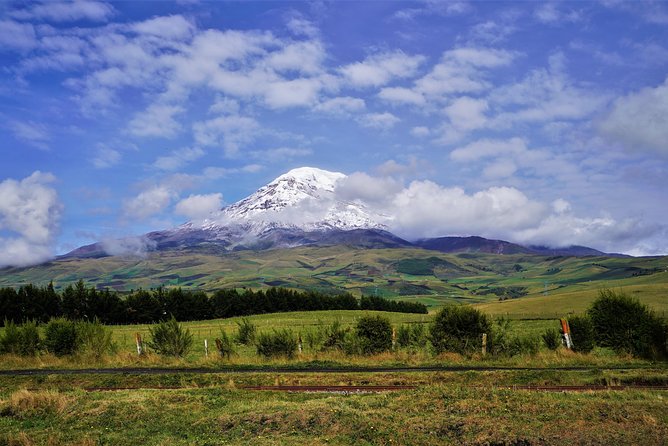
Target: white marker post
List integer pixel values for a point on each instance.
(206, 348)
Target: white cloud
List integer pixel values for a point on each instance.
(341, 106)
(30, 211)
(178, 158)
(381, 121)
(420, 131)
(545, 95)
(379, 69)
(487, 148)
(426, 209)
(168, 27)
(30, 132)
(551, 13)
(370, 190)
(17, 36)
(639, 120)
(303, 57)
(66, 11)
(401, 95)
(467, 113)
(149, 202)
(128, 246)
(281, 153)
(302, 27)
(106, 157)
(460, 71)
(230, 132)
(499, 169)
(157, 120)
(197, 207)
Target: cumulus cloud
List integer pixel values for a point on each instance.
(149, 202)
(368, 189)
(106, 157)
(197, 207)
(231, 132)
(379, 69)
(281, 153)
(401, 95)
(168, 27)
(30, 132)
(342, 106)
(380, 121)
(17, 36)
(178, 158)
(128, 246)
(66, 11)
(157, 120)
(29, 212)
(486, 148)
(639, 120)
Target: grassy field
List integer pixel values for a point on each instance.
(427, 276)
(446, 408)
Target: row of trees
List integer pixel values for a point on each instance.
(79, 302)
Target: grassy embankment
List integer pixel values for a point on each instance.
(446, 408)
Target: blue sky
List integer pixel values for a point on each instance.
(535, 122)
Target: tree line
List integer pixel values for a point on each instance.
(80, 302)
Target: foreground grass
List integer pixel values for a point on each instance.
(447, 408)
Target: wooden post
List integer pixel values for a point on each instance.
(140, 344)
(219, 346)
(394, 338)
(566, 333)
(206, 348)
(299, 345)
(484, 344)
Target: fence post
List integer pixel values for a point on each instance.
(484, 344)
(206, 348)
(140, 344)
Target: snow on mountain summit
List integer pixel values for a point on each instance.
(303, 198)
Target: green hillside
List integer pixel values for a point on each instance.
(515, 284)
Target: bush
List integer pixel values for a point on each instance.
(279, 343)
(94, 338)
(582, 334)
(626, 325)
(523, 345)
(552, 338)
(225, 345)
(335, 337)
(10, 342)
(412, 335)
(60, 337)
(247, 332)
(30, 339)
(169, 338)
(459, 329)
(374, 334)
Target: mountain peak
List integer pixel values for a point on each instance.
(303, 198)
(312, 174)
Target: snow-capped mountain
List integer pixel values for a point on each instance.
(303, 199)
(300, 207)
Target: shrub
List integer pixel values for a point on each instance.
(30, 339)
(94, 338)
(412, 335)
(10, 342)
(335, 336)
(225, 345)
(582, 333)
(169, 338)
(60, 337)
(279, 343)
(552, 338)
(523, 345)
(624, 324)
(459, 329)
(374, 334)
(498, 341)
(246, 333)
